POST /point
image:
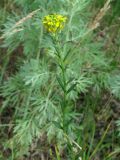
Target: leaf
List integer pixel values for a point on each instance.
(60, 83)
(71, 88)
(58, 125)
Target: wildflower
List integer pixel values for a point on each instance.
(54, 22)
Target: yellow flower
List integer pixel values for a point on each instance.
(54, 22)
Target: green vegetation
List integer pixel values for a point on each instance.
(59, 80)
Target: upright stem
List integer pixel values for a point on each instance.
(62, 65)
(40, 40)
(63, 72)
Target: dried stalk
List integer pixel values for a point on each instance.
(100, 15)
(17, 24)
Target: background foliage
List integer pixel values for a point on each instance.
(31, 96)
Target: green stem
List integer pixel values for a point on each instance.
(63, 75)
(100, 142)
(61, 63)
(64, 95)
(40, 40)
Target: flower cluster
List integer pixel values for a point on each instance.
(54, 22)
